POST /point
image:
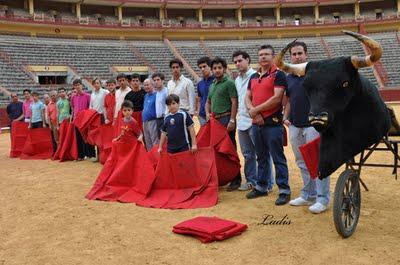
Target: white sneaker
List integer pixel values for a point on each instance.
(300, 202)
(245, 186)
(317, 208)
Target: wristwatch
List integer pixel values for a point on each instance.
(232, 121)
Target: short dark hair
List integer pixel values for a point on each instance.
(27, 90)
(298, 43)
(267, 47)
(34, 93)
(61, 89)
(127, 104)
(95, 79)
(174, 61)
(219, 60)
(111, 81)
(172, 98)
(244, 54)
(77, 82)
(160, 75)
(204, 59)
(121, 75)
(136, 76)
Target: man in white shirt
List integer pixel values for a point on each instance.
(244, 122)
(182, 86)
(120, 93)
(97, 98)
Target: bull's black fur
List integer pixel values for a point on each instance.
(357, 116)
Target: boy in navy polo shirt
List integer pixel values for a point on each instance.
(176, 125)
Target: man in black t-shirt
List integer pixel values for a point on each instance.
(136, 95)
(314, 192)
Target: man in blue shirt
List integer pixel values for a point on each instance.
(161, 95)
(314, 192)
(14, 109)
(149, 115)
(203, 86)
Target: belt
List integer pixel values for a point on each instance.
(217, 116)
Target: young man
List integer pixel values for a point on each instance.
(149, 116)
(109, 101)
(246, 140)
(97, 98)
(120, 94)
(182, 87)
(161, 95)
(223, 103)
(264, 103)
(26, 106)
(63, 107)
(37, 110)
(314, 192)
(203, 87)
(136, 95)
(51, 117)
(14, 109)
(81, 101)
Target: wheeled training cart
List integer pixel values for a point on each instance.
(347, 196)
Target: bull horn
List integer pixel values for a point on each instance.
(374, 46)
(296, 69)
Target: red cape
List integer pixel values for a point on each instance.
(214, 135)
(208, 229)
(310, 153)
(38, 144)
(85, 121)
(127, 175)
(184, 180)
(67, 148)
(19, 132)
(137, 115)
(102, 137)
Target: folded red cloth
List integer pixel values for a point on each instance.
(209, 229)
(310, 153)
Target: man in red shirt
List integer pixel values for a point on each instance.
(109, 101)
(264, 102)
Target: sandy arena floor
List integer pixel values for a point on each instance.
(45, 219)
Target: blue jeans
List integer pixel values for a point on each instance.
(269, 143)
(312, 189)
(249, 153)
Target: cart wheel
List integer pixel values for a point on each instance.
(347, 203)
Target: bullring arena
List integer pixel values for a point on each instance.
(45, 45)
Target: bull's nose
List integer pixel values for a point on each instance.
(319, 121)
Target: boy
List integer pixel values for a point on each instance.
(129, 127)
(176, 125)
(97, 98)
(37, 109)
(109, 101)
(26, 106)
(63, 107)
(149, 116)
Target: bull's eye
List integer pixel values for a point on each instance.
(345, 84)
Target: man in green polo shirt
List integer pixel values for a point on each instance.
(223, 103)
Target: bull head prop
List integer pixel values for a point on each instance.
(345, 107)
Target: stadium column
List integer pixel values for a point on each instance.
(398, 5)
(162, 13)
(278, 14)
(239, 15)
(200, 14)
(356, 9)
(119, 10)
(78, 10)
(316, 12)
(31, 7)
